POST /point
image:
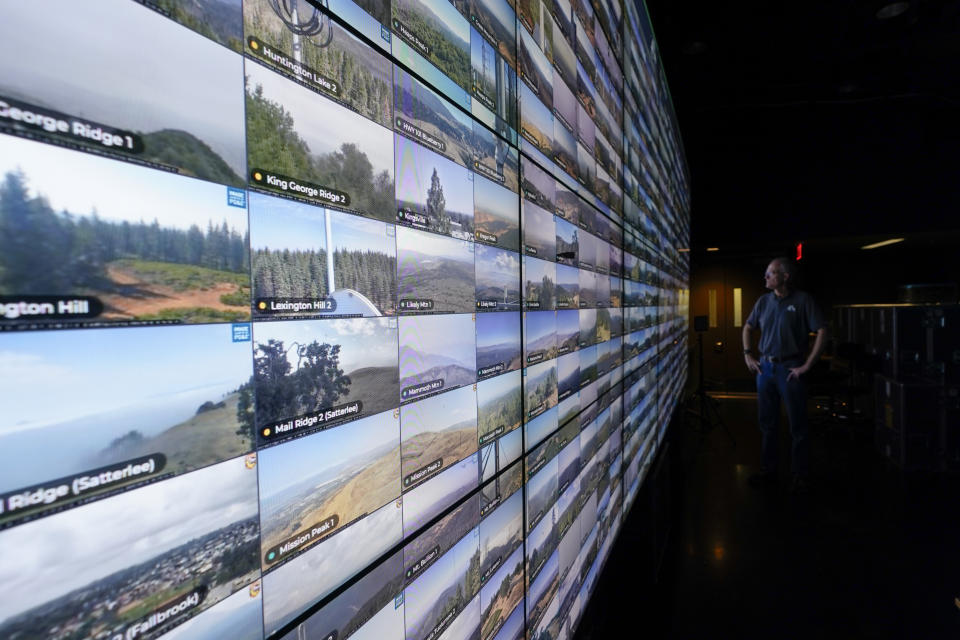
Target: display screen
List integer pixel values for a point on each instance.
(331, 320)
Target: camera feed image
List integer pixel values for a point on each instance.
(219, 20)
(638, 343)
(433, 193)
(426, 501)
(498, 279)
(311, 487)
(538, 231)
(567, 291)
(586, 167)
(499, 406)
(364, 265)
(609, 111)
(434, 543)
(568, 331)
(496, 214)
(155, 246)
(541, 518)
(370, 17)
(494, 79)
(494, 457)
(538, 186)
(505, 483)
(604, 154)
(534, 69)
(426, 117)
(601, 253)
(498, 343)
(289, 244)
(564, 148)
(436, 353)
(568, 372)
(436, 433)
(291, 587)
(587, 219)
(616, 199)
(496, 21)
(587, 248)
(501, 530)
(436, 31)
(299, 40)
(567, 203)
(501, 566)
(103, 102)
(434, 273)
(539, 284)
(466, 624)
(88, 406)
(616, 259)
(588, 289)
(588, 327)
(566, 243)
(564, 59)
(568, 502)
(633, 293)
(536, 120)
(564, 104)
(445, 591)
(238, 616)
(539, 388)
(539, 428)
(513, 626)
(588, 442)
(614, 355)
(569, 468)
(606, 358)
(365, 610)
(194, 547)
(313, 373)
(495, 159)
(501, 592)
(584, 46)
(588, 366)
(540, 336)
(603, 291)
(303, 145)
(586, 93)
(569, 409)
(601, 185)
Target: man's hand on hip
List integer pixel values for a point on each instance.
(796, 372)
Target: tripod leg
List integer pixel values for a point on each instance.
(715, 405)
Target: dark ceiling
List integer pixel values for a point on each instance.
(815, 119)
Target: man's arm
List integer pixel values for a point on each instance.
(752, 363)
(818, 346)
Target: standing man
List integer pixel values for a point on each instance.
(785, 317)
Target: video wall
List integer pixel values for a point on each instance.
(330, 320)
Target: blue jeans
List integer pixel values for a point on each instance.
(772, 387)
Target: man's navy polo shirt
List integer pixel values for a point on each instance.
(785, 323)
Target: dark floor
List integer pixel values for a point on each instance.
(869, 553)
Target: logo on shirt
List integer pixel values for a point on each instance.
(791, 308)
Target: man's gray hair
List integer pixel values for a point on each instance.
(787, 267)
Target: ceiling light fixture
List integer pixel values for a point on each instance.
(892, 10)
(713, 248)
(882, 243)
